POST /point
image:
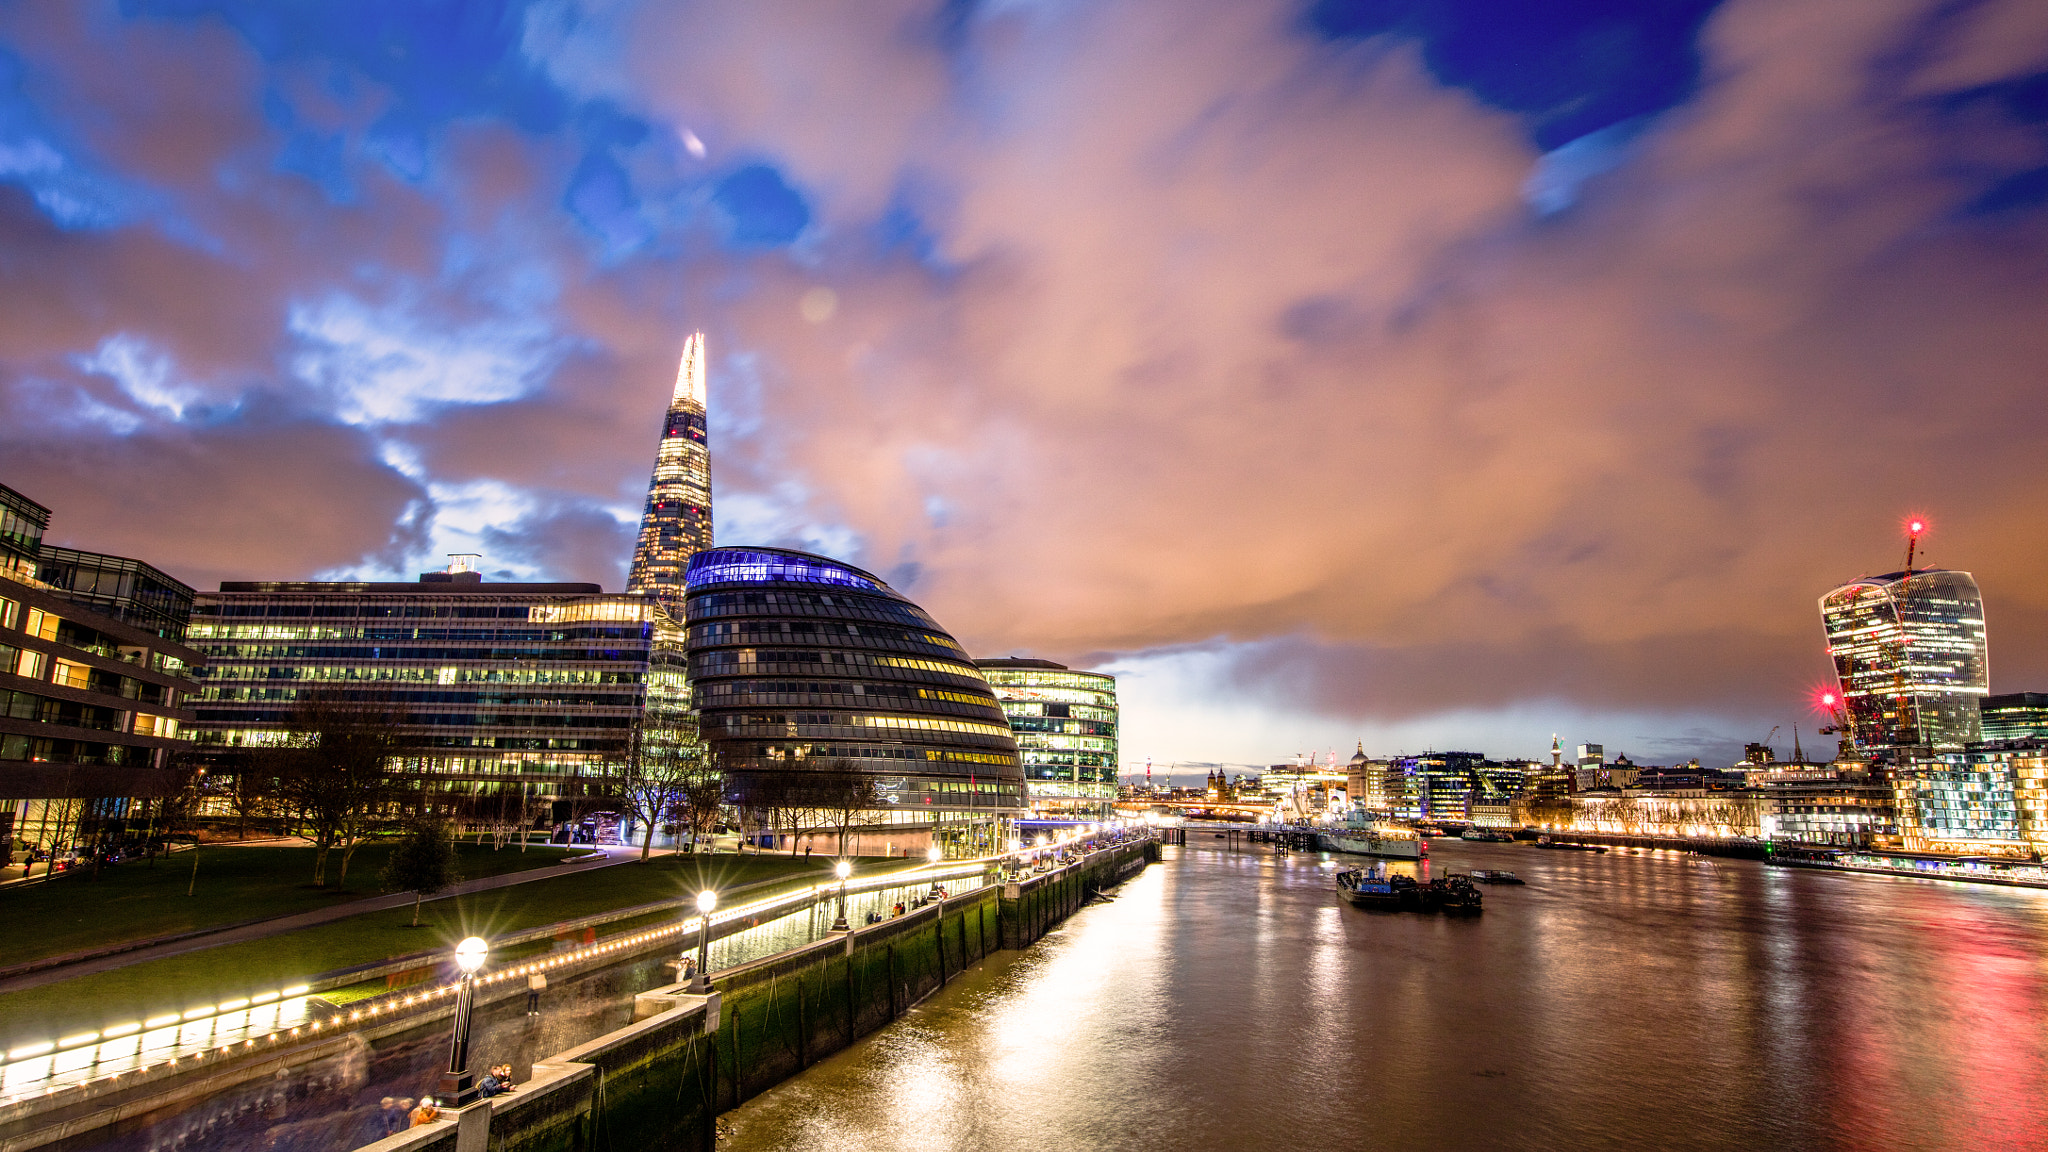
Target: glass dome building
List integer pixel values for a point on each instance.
(800, 664)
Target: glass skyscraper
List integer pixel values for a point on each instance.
(1909, 651)
(1066, 726)
(800, 663)
(676, 523)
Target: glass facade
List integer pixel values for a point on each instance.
(92, 710)
(122, 588)
(1954, 801)
(798, 662)
(676, 523)
(22, 523)
(1436, 785)
(1909, 652)
(1066, 727)
(2015, 716)
(528, 684)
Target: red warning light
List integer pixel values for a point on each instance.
(1916, 527)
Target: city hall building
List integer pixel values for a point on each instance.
(799, 662)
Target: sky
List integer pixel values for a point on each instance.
(1415, 374)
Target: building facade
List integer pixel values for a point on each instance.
(92, 712)
(2015, 716)
(498, 687)
(1066, 728)
(1910, 653)
(676, 522)
(800, 663)
(22, 524)
(128, 590)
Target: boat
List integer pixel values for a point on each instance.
(1361, 838)
(1457, 895)
(1381, 892)
(1485, 835)
(1547, 842)
(1496, 876)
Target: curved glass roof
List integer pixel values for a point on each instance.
(768, 565)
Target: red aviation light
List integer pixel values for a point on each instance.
(1915, 527)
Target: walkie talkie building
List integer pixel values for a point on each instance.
(1909, 650)
(800, 664)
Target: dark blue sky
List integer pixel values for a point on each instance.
(1429, 373)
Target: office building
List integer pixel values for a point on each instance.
(497, 686)
(799, 663)
(1066, 728)
(676, 523)
(2015, 716)
(92, 711)
(128, 590)
(1909, 652)
(22, 524)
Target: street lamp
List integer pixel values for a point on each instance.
(707, 900)
(933, 854)
(843, 869)
(458, 1086)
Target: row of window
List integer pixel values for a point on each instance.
(885, 611)
(473, 699)
(365, 655)
(888, 752)
(280, 717)
(45, 749)
(368, 611)
(493, 635)
(444, 674)
(844, 720)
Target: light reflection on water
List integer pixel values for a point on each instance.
(1619, 1001)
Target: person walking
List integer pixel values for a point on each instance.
(535, 985)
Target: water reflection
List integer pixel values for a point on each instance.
(1620, 1000)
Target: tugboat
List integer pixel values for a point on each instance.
(1383, 893)
(1457, 895)
(1375, 890)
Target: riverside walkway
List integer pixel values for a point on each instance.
(58, 968)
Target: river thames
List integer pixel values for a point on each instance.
(1628, 1000)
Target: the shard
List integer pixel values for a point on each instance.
(677, 522)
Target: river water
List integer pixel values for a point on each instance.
(1230, 1000)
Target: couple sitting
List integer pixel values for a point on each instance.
(498, 1079)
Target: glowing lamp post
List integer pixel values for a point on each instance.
(933, 854)
(458, 1086)
(707, 901)
(843, 869)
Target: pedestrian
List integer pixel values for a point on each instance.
(807, 849)
(535, 985)
(426, 1113)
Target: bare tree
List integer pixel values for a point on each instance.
(338, 770)
(844, 794)
(653, 775)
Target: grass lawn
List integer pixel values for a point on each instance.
(208, 976)
(135, 901)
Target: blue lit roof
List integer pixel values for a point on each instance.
(775, 565)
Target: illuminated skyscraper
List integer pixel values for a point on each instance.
(1909, 650)
(677, 522)
(1065, 723)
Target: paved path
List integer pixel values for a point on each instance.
(282, 924)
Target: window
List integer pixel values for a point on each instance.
(71, 675)
(41, 624)
(30, 664)
(10, 611)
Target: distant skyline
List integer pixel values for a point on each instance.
(1426, 372)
